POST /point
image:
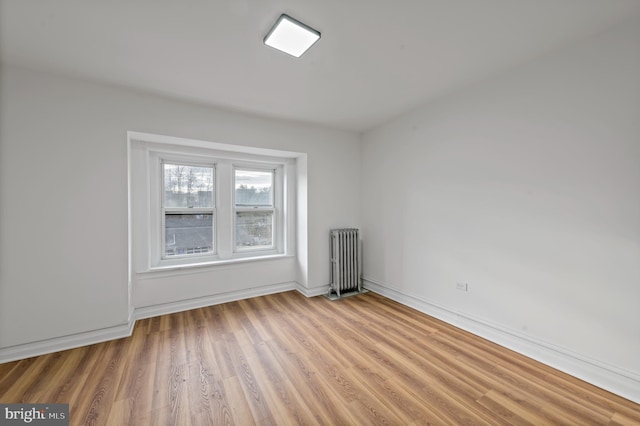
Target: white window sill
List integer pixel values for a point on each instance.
(200, 267)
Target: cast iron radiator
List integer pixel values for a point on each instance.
(346, 261)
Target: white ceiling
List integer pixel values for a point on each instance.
(376, 58)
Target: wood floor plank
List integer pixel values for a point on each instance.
(207, 397)
(247, 378)
(619, 419)
(285, 359)
(290, 404)
(510, 411)
(240, 410)
(93, 407)
(323, 403)
(121, 412)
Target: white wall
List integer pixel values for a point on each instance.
(526, 187)
(63, 198)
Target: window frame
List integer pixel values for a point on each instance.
(186, 210)
(276, 207)
(224, 237)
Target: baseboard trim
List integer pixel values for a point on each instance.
(613, 379)
(313, 292)
(42, 347)
(200, 302)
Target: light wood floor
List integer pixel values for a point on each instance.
(285, 359)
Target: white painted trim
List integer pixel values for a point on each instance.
(312, 292)
(232, 296)
(204, 267)
(614, 379)
(28, 350)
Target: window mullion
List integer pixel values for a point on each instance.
(225, 237)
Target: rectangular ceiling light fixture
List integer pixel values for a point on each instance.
(291, 36)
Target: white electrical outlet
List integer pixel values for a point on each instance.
(462, 286)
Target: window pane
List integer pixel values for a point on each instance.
(254, 188)
(254, 230)
(188, 186)
(188, 234)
